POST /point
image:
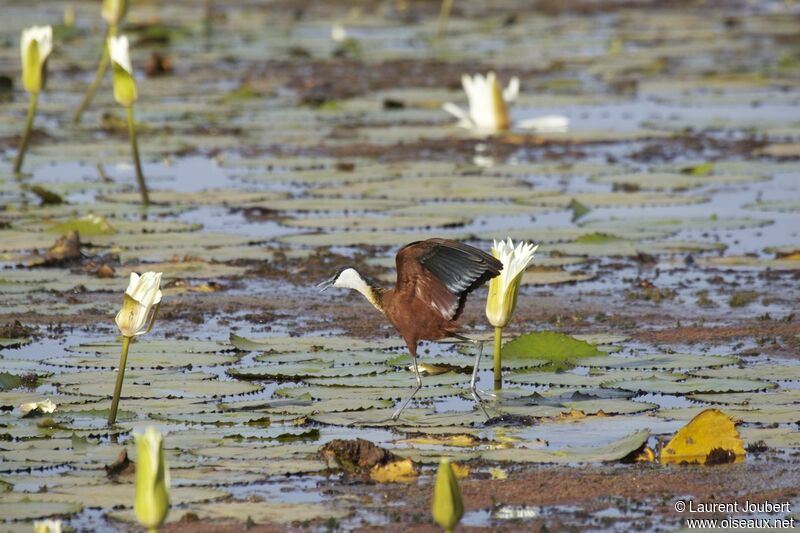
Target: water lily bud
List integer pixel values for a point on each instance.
(114, 11)
(47, 526)
(503, 289)
(69, 16)
(122, 71)
(35, 47)
(139, 306)
(152, 480)
(447, 506)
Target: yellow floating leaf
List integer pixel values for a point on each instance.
(710, 437)
(460, 440)
(428, 369)
(498, 473)
(573, 413)
(461, 471)
(400, 471)
(647, 455)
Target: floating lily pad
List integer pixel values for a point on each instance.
(32, 508)
(611, 452)
(376, 223)
(661, 181)
(548, 346)
(657, 361)
(310, 343)
(322, 392)
(749, 262)
(767, 372)
(690, 385)
(296, 371)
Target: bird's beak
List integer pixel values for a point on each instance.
(328, 283)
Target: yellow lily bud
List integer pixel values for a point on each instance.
(447, 506)
(142, 297)
(114, 11)
(47, 526)
(503, 288)
(122, 71)
(35, 47)
(152, 480)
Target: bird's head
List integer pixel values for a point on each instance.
(346, 278)
(349, 278)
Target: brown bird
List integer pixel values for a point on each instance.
(434, 278)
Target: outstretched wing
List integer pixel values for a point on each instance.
(443, 272)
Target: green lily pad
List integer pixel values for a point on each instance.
(767, 372)
(555, 348)
(688, 386)
(663, 181)
(601, 454)
(657, 361)
(296, 371)
(32, 508)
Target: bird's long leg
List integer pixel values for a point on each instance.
(472, 382)
(472, 390)
(418, 386)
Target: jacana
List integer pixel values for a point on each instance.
(434, 278)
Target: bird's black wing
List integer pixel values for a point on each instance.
(449, 271)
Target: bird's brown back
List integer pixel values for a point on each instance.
(434, 278)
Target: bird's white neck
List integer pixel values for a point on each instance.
(351, 279)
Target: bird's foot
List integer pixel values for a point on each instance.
(479, 401)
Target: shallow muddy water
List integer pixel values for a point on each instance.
(667, 218)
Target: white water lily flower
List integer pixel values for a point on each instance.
(122, 71)
(503, 289)
(36, 45)
(139, 307)
(546, 124)
(44, 407)
(152, 480)
(339, 33)
(47, 526)
(488, 107)
(119, 50)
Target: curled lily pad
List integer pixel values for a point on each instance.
(610, 452)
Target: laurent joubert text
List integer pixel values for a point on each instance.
(730, 508)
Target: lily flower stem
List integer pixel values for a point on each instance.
(102, 66)
(444, 15)
(26, 137)
(137, 163)
(498, 370)
(123, 359)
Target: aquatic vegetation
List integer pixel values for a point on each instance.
(36, 44)
(503, 291)
(281, 156)
(447, 506)
(138, 314)
(125, 94)
(113, 13)
(47, 526)
(152, 480)
(488, 110)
